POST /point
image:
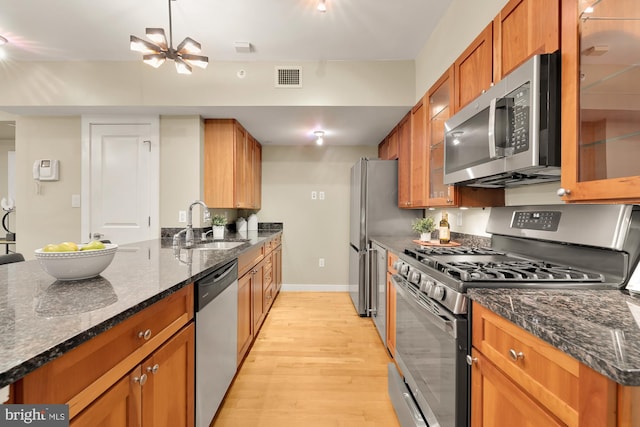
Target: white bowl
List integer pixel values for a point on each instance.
(76, 265)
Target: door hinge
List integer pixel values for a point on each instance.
(148, 142)
(149, 222)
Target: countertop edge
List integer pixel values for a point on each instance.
(21, 370)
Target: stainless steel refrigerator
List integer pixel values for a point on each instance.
(373, 212)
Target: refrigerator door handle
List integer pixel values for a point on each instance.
(373, 280)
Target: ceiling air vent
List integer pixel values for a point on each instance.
(288, 77)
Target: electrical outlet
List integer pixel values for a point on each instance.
(314, 195)
(321, 262)
(182, 216)
(321, 195)
(459, 219)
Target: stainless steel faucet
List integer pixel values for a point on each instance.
(188, 239)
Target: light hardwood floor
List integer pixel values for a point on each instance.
(315, 363)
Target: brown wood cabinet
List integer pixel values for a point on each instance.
(474, 69)
(158, 392)
(599, 118)
(518, 379)
(404, 161)
(232, 166)
(260, 279)
(161, 334)
(524, 28)
(245, 316)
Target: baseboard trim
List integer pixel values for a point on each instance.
(315, 288)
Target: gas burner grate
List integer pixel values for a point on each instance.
(456, 250)
(516, 270)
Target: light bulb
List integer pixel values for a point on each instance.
(322, 6)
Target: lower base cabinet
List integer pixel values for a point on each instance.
(159, 392)
(138, 373)
(517, 379)
(260, 272)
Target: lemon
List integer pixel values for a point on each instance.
(93, 245)
(67, 247)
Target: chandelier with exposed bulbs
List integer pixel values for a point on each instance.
(157, 51)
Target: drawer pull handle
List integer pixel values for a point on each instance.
(145, 334)
(153, 369)
(141, 379)
(515, 356)
(471, 360)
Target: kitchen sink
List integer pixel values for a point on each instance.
(224, 245)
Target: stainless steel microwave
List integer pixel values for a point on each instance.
(509, 135)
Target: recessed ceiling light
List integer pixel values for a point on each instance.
(322, 6)
(319, 137)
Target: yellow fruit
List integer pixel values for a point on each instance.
(67, 247)
(93, 245)
(51, 248)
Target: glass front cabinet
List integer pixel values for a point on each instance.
(601, 101)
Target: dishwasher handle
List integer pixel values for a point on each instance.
(211, 285)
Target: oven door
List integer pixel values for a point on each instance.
(431, 347)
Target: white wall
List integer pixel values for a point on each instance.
(47, 217)
(133, 84)
(313, 229)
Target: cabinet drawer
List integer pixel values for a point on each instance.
(95, 365)
(391, 258)
(546, 373)
(247, 260)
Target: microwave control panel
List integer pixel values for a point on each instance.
(518, 135)
(536, 220)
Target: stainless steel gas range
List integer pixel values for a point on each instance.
(554, 246)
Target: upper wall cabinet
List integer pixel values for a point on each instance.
(232, 166)
(524, 28)
(600, 103)
(474, 69)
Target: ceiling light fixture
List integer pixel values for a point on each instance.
(322, 6)
(3, 41)
(319, 137)
(157, 51)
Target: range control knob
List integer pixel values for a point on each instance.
(438, 292)
(414, 277)
(397, 265)
(426, 286)
(404, 270)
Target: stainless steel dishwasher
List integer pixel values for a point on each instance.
(216, 306)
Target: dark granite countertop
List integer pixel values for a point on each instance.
(42, 318)
(599, 328)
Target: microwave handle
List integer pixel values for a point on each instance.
(493, 154)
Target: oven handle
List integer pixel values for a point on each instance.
(444, 324)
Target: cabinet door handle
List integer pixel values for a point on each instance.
(471, 360)
(141, 379)
(145, 334)
(563, 192)
(516, 355)
(153, 369)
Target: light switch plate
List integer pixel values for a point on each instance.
(75, 200)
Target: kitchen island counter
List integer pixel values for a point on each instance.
(599, 328)
(42, 318)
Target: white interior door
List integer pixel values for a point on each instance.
(123, 182)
